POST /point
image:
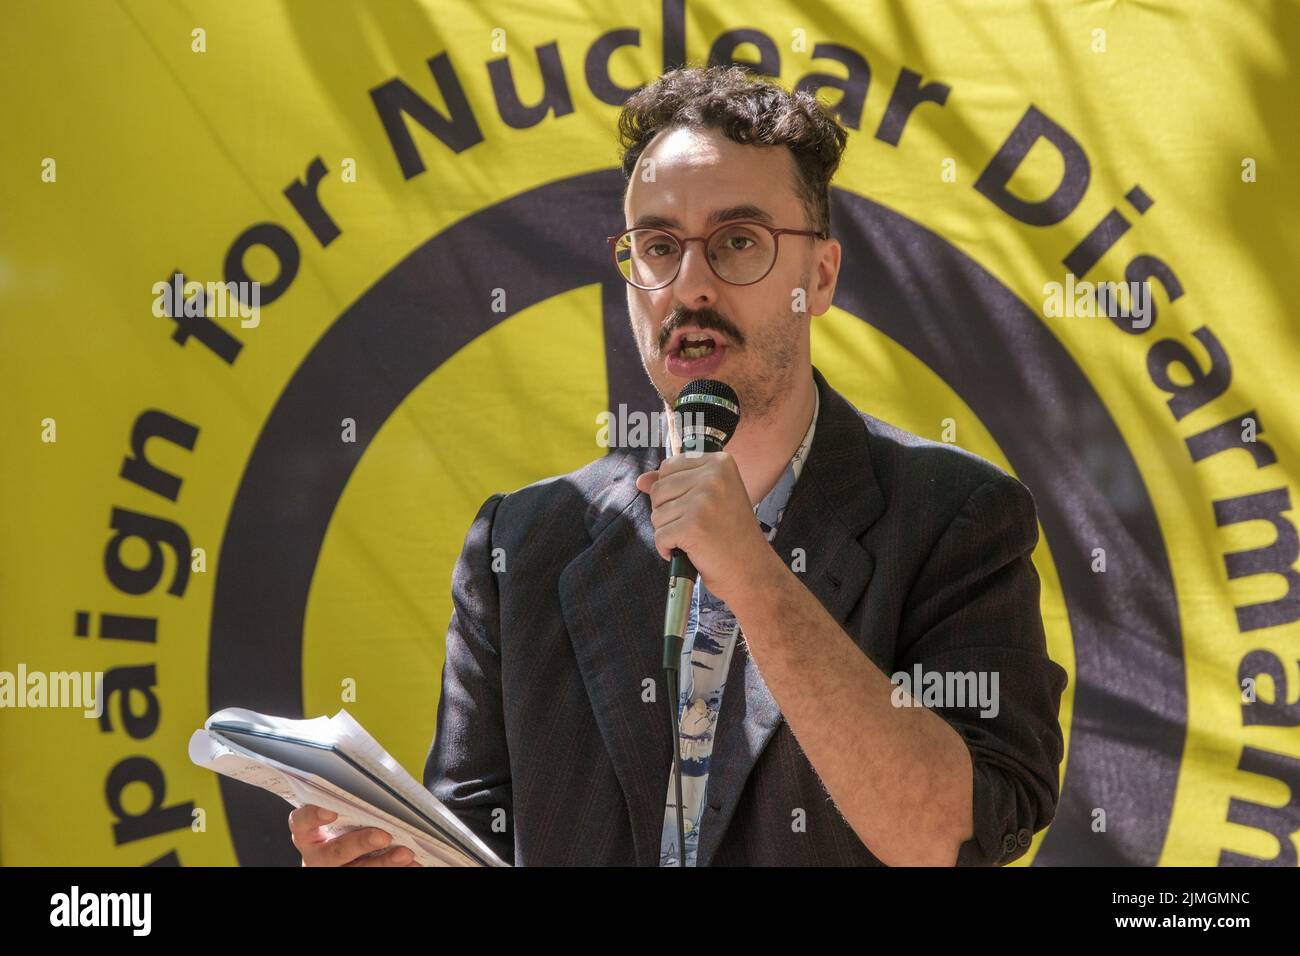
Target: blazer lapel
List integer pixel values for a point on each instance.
(612, 595)
(834, 501)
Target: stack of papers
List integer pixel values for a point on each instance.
(332, 762)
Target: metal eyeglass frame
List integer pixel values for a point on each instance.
(681, 243)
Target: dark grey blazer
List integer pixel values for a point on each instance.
(920, 550)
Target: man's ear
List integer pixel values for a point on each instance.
(825, 275)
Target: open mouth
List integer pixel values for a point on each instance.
(695, 345)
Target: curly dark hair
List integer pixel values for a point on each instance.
(747, 110)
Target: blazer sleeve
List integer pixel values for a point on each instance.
(975, 608)
(468, 766)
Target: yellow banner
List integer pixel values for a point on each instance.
(1067, 235)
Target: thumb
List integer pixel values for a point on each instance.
(646, 482)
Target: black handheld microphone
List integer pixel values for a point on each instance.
(709, 412)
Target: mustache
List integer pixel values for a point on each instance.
(705, 319)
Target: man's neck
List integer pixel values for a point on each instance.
(763, 448)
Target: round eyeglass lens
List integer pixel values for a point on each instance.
(742, 253)
(648, 258)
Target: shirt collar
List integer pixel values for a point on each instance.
(769, 510)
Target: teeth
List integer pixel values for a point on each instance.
(697, 351)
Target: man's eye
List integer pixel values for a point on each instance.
(659, 249)
(735, 239)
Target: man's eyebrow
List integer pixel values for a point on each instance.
(729, 214)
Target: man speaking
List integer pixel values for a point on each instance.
(833, 549)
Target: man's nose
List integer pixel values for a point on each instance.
(696, 284)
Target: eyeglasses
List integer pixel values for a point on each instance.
(740, 253)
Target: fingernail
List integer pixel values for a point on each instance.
(378, 839)
(401, 855)
(328, 815)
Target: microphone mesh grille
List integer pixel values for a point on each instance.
(713, 402)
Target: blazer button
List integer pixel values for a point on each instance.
(1023, 836)
(1009, 844)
